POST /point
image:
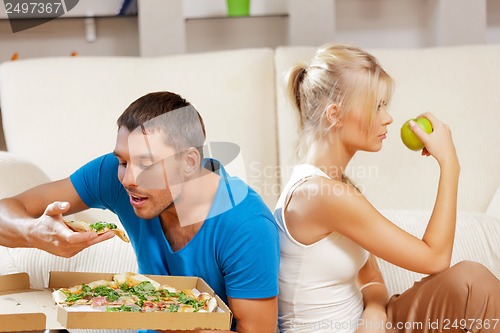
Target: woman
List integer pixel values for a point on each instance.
(330, 234)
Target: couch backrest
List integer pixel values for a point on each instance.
(460, 85)
(61, 112)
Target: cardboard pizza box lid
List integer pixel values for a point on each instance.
(220, 320)
(25, 309)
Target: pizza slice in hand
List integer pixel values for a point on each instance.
(99, 227)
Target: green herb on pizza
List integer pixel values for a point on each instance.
(99, 227)
(102, 226)
(131, 292)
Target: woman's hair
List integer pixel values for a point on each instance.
(170, 114)
(338, 74)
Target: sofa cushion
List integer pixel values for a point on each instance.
(458, 85)
(476, 239)
(66, 108)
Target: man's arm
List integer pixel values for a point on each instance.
(255, 315)
(35, 219)
(252, 316)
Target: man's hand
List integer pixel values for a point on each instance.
(50, 233)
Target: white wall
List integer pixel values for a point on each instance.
(382, 23)
(212, 34)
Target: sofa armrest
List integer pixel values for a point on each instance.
(18, 175)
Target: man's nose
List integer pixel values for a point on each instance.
(128, 179)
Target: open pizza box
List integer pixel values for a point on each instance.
(24, 309)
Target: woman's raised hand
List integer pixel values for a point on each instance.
(439, 143)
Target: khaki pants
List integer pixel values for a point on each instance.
(463, 298)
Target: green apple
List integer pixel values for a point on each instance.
(409, 138)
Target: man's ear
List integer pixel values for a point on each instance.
(191, 161)
(333, 115)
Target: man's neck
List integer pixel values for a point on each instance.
(185, 217)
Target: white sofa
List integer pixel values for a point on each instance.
(59, 113)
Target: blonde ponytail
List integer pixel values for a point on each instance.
(338, 74)
(294, 78)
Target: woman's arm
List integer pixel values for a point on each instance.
(375, 298)
(334, 206)
(440, 234)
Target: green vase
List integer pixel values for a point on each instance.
(238, 7)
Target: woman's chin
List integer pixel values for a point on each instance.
(373, 149)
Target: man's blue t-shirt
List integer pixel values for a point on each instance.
(236, 251)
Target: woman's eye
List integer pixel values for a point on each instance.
(381, 105)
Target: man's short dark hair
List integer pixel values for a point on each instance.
(169, 113)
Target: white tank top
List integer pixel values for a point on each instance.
(318, 291)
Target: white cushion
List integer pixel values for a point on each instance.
(457, 84)
(476, 239)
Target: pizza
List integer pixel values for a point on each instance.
(99, 227)
(131, 292)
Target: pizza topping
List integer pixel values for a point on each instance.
(132, 292)
(98, 301)
(103, 226)
(99, 227)
(124, 308)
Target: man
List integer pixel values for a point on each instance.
(184, 215)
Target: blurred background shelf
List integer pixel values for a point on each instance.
(179, 26)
